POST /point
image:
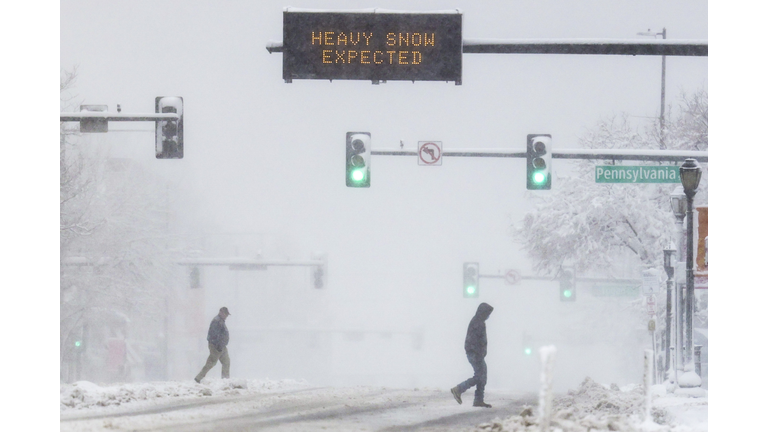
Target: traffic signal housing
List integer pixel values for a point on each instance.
(471, 280)
(194, 278)
(527, 344)
(539, 162)
(358, 159)
(567, 286)
(169, 134)
(320, 272)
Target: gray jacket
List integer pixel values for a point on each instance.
(218, 335)
(476, 341)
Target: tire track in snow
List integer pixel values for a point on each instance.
(181, 406)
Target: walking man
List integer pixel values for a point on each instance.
(475, 344)
(218, 338)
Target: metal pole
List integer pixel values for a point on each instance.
(663, 91)
(592, 154)
(571, 46)
(689, 287)
(647, 381)
(653, 352)
(673, 371)
(679, 305)
(668, 328)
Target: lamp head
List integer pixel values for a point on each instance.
(679, 203)
(690, 175)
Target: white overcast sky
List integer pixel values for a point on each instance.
(249, 129)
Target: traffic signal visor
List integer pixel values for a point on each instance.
(358, 159)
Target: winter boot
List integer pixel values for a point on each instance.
(481, 404)
(456, 394)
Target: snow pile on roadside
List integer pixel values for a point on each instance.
(597, 399)
(85, 394)
(595, 408)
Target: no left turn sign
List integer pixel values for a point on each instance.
(430, 153)
(512, 277)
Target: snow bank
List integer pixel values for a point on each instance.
(85, 394)
(595, 407)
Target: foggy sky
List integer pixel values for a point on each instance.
(266, 158)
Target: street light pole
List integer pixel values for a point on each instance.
(678, 201)
(690, 175)
(663, 34)
(662, 145)
(669, 254)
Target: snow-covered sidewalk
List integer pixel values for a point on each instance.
(82, 395)
(592, 407)
(595, 407)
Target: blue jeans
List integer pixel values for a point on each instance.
(478, 379)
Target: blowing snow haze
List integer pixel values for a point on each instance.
(261, 179)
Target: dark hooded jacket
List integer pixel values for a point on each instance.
(476, 341)
(218, 335)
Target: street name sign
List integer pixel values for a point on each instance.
(375, 46)
(637, 174)
(615, 291)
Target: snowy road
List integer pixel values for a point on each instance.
(316, 409)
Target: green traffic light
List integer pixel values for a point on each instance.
(358, 175)
(470, 290)
(567, 293)
(539, 177)
(78, 343)
(528, 351)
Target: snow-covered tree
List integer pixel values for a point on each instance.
(595, 227)
(114, 216)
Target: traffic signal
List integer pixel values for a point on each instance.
(320, 272)
(567, 286)
(471, 280)
(194, 278)
(527, 344)
(169, 134)
(358, 159)
(539, 162)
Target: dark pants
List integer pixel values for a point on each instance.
(478, 379)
